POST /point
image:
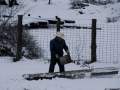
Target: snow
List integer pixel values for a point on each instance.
(11, 76)
(62, 9)
(11, 72)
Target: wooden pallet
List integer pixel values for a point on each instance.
(73, 74)
(66, 74)
(112, 89)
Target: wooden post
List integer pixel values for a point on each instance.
(58, 25)
(19, 39)
(49, 1)
(93, 41)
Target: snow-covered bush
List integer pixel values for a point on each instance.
(77, 4)
(31, 49)
(9, 32)
(74, 4)
(112, 19)
(8, 44)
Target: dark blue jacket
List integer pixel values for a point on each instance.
(57, 47)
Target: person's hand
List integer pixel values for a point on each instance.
(57, 56)
(68, 53)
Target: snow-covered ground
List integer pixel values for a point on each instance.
(61, 8)
(11, 72)
(11, 76)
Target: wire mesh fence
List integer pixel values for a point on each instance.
(77, 37)
(108, 42)
(79, 41)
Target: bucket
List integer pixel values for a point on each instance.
(65, 59)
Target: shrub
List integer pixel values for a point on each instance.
(31, 49)
(8, 44)
(75, 4)
(7, 41)
(78, 4)
(112, 19)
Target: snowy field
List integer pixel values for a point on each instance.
(11, 76)
(11, 72)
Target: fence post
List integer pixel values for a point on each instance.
(58, 24)
(93, 41)
(19, 39)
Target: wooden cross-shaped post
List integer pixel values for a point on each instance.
(58, 24)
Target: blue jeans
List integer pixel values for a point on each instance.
(52, 66)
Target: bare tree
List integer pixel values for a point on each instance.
(2, 2)
(49, 2)
(79, 48)
(7, 12)
(12, 2)
(118, 0)
(7, 32)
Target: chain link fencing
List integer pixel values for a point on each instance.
(78, 39)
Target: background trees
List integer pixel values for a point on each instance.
(9, 32)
